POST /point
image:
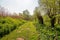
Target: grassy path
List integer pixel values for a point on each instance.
(27, 31)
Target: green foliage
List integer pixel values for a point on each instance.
(45, 32)
(52, 7)
(34, 29)
(47, 20)
(26, 31)
(48, 4)
(26, 15)
(57, 20)
(9, 24)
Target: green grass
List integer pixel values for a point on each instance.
(26, 31)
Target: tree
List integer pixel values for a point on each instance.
(52, 11)
(37, 15)
(38, 20)
(53, 8)
(26, 14)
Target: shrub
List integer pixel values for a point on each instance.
(46, 20)
(8, 24)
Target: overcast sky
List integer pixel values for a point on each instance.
(19, 5)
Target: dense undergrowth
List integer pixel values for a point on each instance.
(26, 31)
(31, 30)
(8, 24)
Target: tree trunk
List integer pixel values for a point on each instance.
(53, 21)
(40, 19)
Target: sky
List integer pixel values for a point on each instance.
(19, 5)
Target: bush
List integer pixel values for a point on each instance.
(8, 24)
(46, 20)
